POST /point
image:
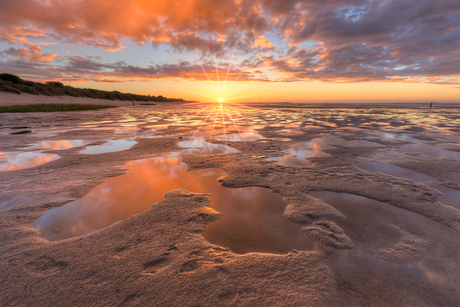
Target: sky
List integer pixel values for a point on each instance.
(239, 50)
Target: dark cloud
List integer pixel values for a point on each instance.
(86, 68)
(329, 40)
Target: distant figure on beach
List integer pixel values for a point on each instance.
(431, 104)
(133, 103)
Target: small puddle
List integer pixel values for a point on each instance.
(208, 148)
(300, 151)
(58, 145)
(290, 132)
(110, 146)
(281, 139)
(393, 137)
(252, 218)
(240, 137)
(11, 161)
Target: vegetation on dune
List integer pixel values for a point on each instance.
(14, 84)
(51, 107)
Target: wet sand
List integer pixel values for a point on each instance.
(262, 206)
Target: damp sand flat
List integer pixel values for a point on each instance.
(258, 206)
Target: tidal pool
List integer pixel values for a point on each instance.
(110, 146)
(58, 145)
(252, 218)
(240, 137)
(11, 161)
(281, 139)
(208, 148)
(299, 152)
(393, 137)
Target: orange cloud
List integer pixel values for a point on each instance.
(32, 52)
(11, 35)
(103, 23)
(339, 41)
(263, 42)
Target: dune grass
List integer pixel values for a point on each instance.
(51, 107)
(14, 84)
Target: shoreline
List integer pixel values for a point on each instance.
(10, 99)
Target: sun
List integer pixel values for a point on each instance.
(221, 100)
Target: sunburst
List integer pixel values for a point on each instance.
(220, 109)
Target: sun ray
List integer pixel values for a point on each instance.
(240, 114)
(204, 95)
(204, 121)
(201, 110)
(245, 96)
(242, 87)
(214, 125)
(195, 79)
(223, 125)
(202, 68)
(237, 127)
(217, 70)
(233, 83)
(228, 71)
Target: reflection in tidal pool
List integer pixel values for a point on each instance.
(59, 145)
(240, 137)
(252, 218)
(281, 139)
(388, 136)
(10, 161)
(291, 161)
(290, 131)
(208, 148)
(300, 151)
(110, 146)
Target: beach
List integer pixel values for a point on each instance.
(189, 204)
